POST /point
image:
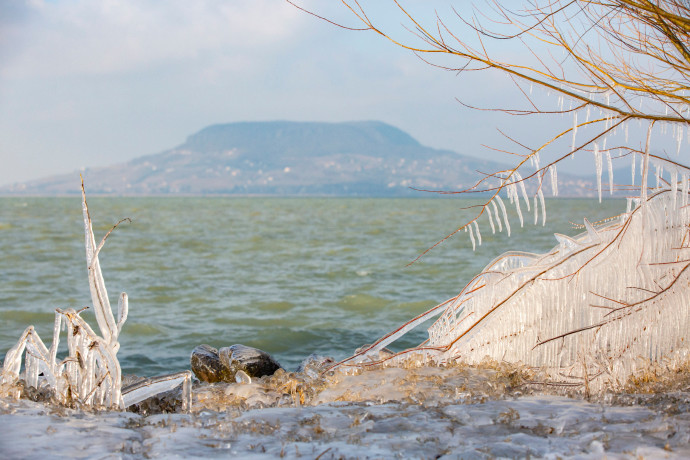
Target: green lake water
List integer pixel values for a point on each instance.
(291, 276)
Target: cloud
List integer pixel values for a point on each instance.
(62, 38)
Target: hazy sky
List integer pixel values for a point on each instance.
(87, 83)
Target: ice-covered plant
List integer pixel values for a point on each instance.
(90, 374)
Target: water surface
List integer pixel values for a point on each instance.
(291, 276)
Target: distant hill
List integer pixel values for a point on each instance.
(366, 158)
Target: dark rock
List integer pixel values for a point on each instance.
(207, 366)
(254, 362)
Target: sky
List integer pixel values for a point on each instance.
(88, 83)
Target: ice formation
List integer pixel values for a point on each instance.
(591, 312)
(90, 375)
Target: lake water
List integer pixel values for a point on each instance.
(291, 276)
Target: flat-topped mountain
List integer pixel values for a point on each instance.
(286, 158)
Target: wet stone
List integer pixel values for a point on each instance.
(207, 366)
(223, 365)
(252, 361)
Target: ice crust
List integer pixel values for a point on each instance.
(541, 426)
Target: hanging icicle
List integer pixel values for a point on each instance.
(632, 167)
(540, 194)
(491, 220)
(554, 180)
(645, 168)
(521, 184)
(517, 206)
(572, 144)
(597, 165)
(674, 186)
(479, 234)
(498, 218)
(505, 214)
(610, 168)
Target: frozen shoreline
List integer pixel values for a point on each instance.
(427, 412)
(541, 426)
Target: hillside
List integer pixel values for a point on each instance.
(286, 158)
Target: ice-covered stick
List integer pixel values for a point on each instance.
(147, 388)
(99, 294)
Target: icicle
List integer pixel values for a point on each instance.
(597, 165)
(628, 205)
(684, 179)
(572, 144)
(540, 194)
(517, 208)
(626, 133)
(658, 173)
(505, 214)
(511, 193)
(554, 180)
(645, 168)
(491, 220)
(471, 235)
(679, 139)
(610, 167)
(498, 217)
(634, 162)
(674, 186)
(479, 234)
(521, 183)
(536, 211)
(587, 117)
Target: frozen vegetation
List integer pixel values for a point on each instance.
(90, 374)
(589, 313)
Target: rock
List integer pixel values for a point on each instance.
(237, 363)
(207, 366)
(252, 361)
